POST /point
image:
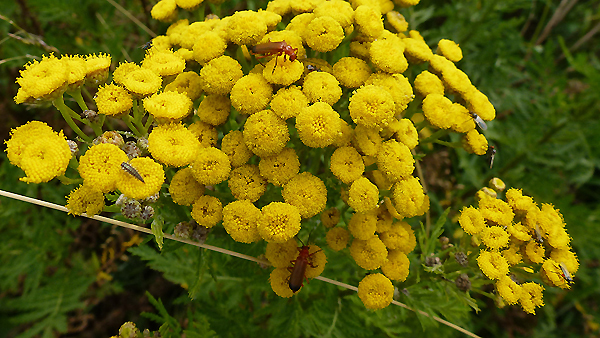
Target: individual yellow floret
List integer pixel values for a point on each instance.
(395, 160)
(351, 72)
(184, 188)
(279, 222)
(346, 164)
(265, 133)
(428, 83)
(100, 164)
(251, 94)
(246, 28)
(450, 50)
(168, 106)
(164, 10)
(173, 144)
(376, 291)
(188, 83)
(323, 34)
(371, 106)
(279, 169)
(211, 166)
(337, 238)
(388, 55)
(240, 220)
(207, 211)
(85, 200)
(151, 172)
(113, 100)
(475, 143)
(288, 102)
(307, 193)
(318, 125)
(246, 183)
(220, 74)
(492, 264)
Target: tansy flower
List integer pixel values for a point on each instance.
(531, 297)
(307, 193)
(388, 55)
(207, 211)
(288, 102)
(384, 219)
(246, 28)
(376, 291)
(271, 19)
(518, 231)
(397, 266)
(408, 244)
(281, 7)
(406, 3)
(508, 290)
(450, 50)
(251, 94)
(161, 42)
(337, 238)
(323, 34)
(280, 168)
(24, 136)
(519, 203)
(282, 71)
(360, 49)
(176, 29)
(318, 125)
(427, 83)
(112, 137)
(494, 237)
(321, 86)
(85, 200)
(205, 133)
(397, 85)
(397, 21)
(173, 144)
(265, 133)
(362, 225)
(163, 62)
(142, 82)
(558, 238)
(409, 197)
(552, 274)
(240, 219)
(369, 254)
(279, 280)
(344, 136)
(478, 103)
(567, 257)
(152, 173)
(75, 65)
(220, 74)
(535, 252)
(368, 21)
(462, 121)
(512, 254)
(279, 222)
(492, 264)
(233, 145)
(168, 106)
(457, 81)
(184, 189)
(351, 72)
(371, 106)
(246, 183)
(398, 237)
(416, 50)
(485, 193)
(214, 109)
(330, 217)
(164, 10)
(211, 166)
(316, 262)
(436, 108)
(188, 5)
(100, 165)
(45, 79)
(363, 195)
(367, 140)
(496, 211)
(113, 100)
(188, 36)
(188, 83)
(123, 70)
(395, 160)
(281, 254)
(438, 64)
(340, 11)
(96, 67)
(346, 164)
(406, 133)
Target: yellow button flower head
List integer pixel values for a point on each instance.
(288, 102)
(436, 108)
(280, 255)
(496, 211)
(185, 54)
(265, 133)
(531, 297)
(173, 144)
(409, 197)
(316, 262)
(367, 140)
(369, 254)
(281, 71)
(478, 103)
(176, 29)
(407, 133)
(161, 41)
(395, 160)
(345, 135)
(279, 222)
(323, 34)
(207, 211)
(46, 79)
(508, 290)
(495, 237)
(100, 165)
(142, 82)
(76, 70)
(371, 106)
(152, 173)
(85, 200)
(519, 203)
(397, 21)
(188, 35)
(168, 106)
(318, 125)
(519, 231)
(363, 195)
(384, 219)
(337, 238)
(567, 257)
(368, 21)
(397, 85)
(246, 28)
(417, 51)
(360, 49)
(212, 166)
(330, 217)
(188, 83)
(246, 183)
(271, 19)
(188, 5)
(376, 291)
(406, 3)
(240, 219)
(351, 72)
(279, 280)
(362, 225)
(307, 193)
(340, 11)
(462, 121)
(322, 86)
(475, 143)
(184, 189)
(214, 109)
(23, 136)
(251, 94)
(279, 169)
(428, 83)
(450, 50)
(233, 145)
(552, 274)
(492, 264)
(163, 62)
(388, 55)
(398, 238)
(438, 64)
(123, 70)
(113, 100)
(164, 10)
(220, 74)
(96, 67)
(513, 254)
(457, 81)
(206, 134)
(535, 252)
(281, 7)
(397, 266)
(208, 45)
(347, 164)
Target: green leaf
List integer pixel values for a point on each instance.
(157, 230)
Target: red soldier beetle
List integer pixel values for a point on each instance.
(299, 268)
(275, 48)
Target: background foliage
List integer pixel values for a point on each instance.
(536, 60)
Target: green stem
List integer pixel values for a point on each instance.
(66, 112)
(97, 127)
(449, 144)
(148, 124)
(435, 136)
(76, 94)
(68, 181)
(127, 120)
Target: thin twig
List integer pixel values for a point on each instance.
(582, 40)
(563, 8)
(132, 18)
(215, 248)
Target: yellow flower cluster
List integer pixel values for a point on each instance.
(519, 231)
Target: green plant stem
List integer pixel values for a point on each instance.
(449, 144)
(127, 120)
(435, 136)
(66, 112)
(96, 127)
(138, 115)
(68, 181)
